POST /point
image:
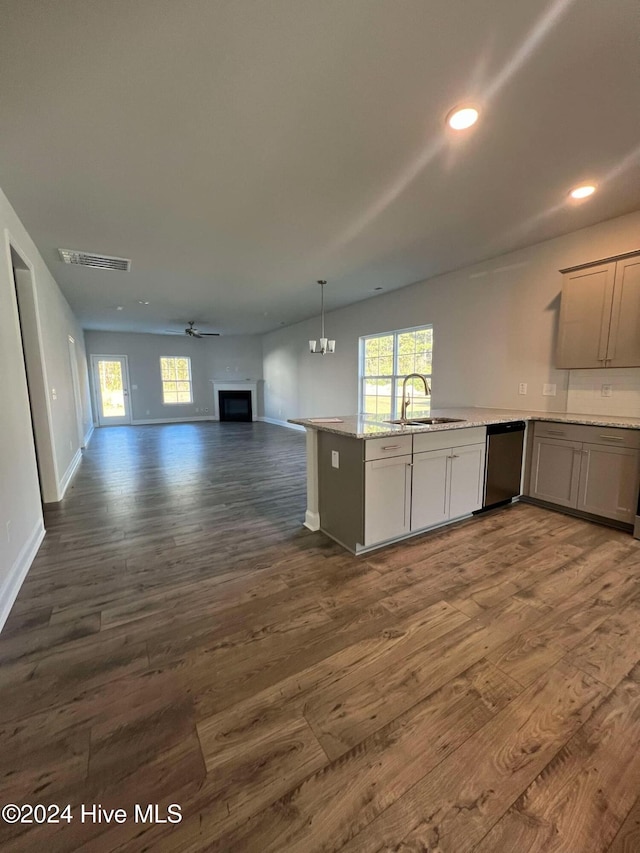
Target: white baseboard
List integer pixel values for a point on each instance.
(68, 474)
(87, 438)
(281, 423)
(148, 421)
(312, 520)
(18, 572)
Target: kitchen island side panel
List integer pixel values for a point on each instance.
(341, 489)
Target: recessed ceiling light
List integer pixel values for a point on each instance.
(143, 302)
(583, 192)
(119, 307)
(462, 117)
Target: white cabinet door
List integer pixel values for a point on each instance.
(609, 481)
(387, 499)
(555, 471)
(467, 479)
(430, 493)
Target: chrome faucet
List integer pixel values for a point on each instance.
(406, 399)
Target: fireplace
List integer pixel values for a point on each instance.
(235, 405)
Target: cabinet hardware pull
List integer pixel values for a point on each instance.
(455, 456)
(390, 446)
(556, 431)
(612, 437)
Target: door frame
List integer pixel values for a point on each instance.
(96, 389)
(75, 384)
(23, 286)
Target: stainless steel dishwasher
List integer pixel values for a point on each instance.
(503, 465)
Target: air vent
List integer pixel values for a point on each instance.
(100, 262)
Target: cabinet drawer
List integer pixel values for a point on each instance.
(441, 439)
(384, 448)
(570, 432)
(611, 436)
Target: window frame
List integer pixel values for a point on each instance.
(164, 382)
(395, 378)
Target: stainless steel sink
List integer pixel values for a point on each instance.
(426, 421)
(437, 420)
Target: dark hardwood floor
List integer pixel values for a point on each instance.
(181, 638)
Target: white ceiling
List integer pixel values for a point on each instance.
(237, 150)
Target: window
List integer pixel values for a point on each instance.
(176, 379)
(384, 362)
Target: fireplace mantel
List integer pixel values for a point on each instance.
(235, 385)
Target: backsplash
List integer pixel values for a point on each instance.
(585, 392)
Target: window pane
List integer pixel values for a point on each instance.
(371, 367)
(371, 348)
(170, 396)
(385, 365)
(406, 364)
(370, 405)
(386, 345)
(423, 363)
(424, 338)
(184, 396)
(407, 342)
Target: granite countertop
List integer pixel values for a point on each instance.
(369, 426)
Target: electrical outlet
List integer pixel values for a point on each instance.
(548, 390)
(522, 388)
(607, 391)
(54, 396)
(335, 459)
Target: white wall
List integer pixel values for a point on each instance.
(495, 325)
(21, 522)
(225, 358)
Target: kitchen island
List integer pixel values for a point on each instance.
(371, 482)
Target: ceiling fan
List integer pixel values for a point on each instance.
(193, 332)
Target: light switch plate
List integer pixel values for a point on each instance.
(607, 391)
(335, 459)
(548, 390)
(522, 388)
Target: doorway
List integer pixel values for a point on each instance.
(32, 359)
(111, 384)
(75, 380)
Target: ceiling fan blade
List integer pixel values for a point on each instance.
(209, 334)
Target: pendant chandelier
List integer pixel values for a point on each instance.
(326, 346)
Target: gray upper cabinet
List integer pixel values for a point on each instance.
(600, 315)
(624, 337)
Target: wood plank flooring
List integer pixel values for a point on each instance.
(181, 638)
